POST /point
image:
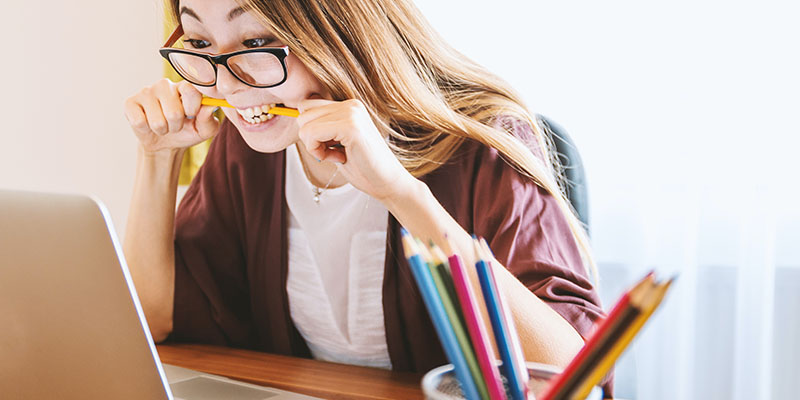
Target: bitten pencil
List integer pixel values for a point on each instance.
(285, 111)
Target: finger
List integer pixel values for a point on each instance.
(321, 132)
(333, 153)
(324, 124)
(134, 113)
(316, 150)
(311, 109)
(190, 98)
(171, 106)
(205, 123)
(156, 121)
(329, 152)
(308, 104)
(315, 147)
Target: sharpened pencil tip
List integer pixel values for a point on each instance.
(409, 247)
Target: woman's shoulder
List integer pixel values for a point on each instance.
(477, 172)
(473, 154)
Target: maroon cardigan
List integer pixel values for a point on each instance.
(231, 251)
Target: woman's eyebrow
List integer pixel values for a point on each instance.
(188, 11)
(235, 13)
(231, 15)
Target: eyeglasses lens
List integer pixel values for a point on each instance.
(260, 69)
(193, 68)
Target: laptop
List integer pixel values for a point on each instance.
(71, 326)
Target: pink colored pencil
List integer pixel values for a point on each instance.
(477, 329)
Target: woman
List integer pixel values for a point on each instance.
(281, 243)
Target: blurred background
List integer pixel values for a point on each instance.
(685, 113)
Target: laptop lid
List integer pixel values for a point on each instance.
(71, 326)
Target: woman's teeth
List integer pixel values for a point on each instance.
(256, 115)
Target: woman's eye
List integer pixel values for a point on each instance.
(197, 43)
(259, 42)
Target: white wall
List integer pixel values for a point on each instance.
(67, 68)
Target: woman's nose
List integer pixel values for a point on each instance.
(226, 82)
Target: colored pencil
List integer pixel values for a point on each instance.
(477, 328)
(516, 372)
(444, 283)
(604, 331)
(611, 337)
(438, 316)
(602, 368)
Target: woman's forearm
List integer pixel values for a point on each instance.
(148, 243)
(545, 336)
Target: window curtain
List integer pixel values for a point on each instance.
(711, 195)
(730, 328)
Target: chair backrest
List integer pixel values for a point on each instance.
(572, 168)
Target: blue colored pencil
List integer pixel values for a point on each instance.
(437, 313)
(514, 368)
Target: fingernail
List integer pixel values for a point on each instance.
(318, 160)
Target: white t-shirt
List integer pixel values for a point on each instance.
(337, 250)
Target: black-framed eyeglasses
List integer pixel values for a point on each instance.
(261, 68)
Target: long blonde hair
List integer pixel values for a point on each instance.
(427, 97)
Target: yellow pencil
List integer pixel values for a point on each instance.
(285, 111)
(210, 101)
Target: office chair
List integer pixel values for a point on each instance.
(571, 167)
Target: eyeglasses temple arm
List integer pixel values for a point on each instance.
(176, 34)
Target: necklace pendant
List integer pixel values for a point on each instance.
(317, 193)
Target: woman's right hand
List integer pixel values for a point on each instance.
(169, 116)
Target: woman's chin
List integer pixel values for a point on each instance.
(270, 136)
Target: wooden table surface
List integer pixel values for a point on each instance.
(310, 377)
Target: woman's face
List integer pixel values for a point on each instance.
(221, 26)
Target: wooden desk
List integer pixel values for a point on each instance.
(311, 377)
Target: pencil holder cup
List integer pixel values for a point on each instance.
(441, 384)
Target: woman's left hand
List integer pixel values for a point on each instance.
(365, 158)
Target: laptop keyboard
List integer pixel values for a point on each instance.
(205, 388)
